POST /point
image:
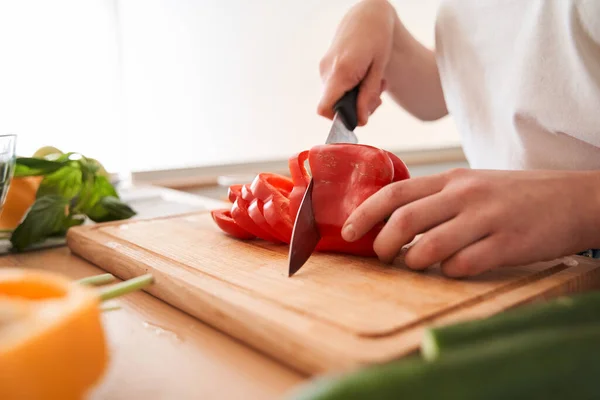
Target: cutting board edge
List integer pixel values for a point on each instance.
(362, 350)
(574, 279)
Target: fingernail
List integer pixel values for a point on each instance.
(348, 233)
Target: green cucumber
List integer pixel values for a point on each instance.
(546, 364)
(560, 312)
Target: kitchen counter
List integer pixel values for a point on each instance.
(157, 351)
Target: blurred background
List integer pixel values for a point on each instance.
(171, 89)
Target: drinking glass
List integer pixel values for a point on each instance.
(8, 160)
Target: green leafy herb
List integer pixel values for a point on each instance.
(46, 217)
(65, 182)
(110, 208)
(73, 189)
(29, 166)
(96, 188)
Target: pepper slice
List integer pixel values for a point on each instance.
(234, 192)
(256, 212)
(273, 192)
(224, 220)
(267, 184)
(301, 179)
(239, 213)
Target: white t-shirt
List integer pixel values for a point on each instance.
(521, 79)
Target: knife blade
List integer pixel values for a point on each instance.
(305, 234)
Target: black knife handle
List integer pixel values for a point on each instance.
(346, 107)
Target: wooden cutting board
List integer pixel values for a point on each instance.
(336, 313)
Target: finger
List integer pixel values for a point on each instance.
(441, 242)
(408, 221)
(476, 258)
(345, 75)
(374, 107)
(369, 93)
(505, 249)
(383, 86)
(378, 102)
(383, 203)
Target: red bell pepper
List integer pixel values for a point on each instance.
(344, 176)
(222, 218)
(400, 170)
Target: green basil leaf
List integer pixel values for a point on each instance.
(66, 182)
(93, 191)
(30, 166)
(103, 187)
(88, 166)
(46, 217)
(110, 208)
(69, 222)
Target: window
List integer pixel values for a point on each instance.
(164, 84)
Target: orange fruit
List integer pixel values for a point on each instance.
(52, 345)
(20, 197)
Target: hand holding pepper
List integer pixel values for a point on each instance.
(475, 220)
(373, 48)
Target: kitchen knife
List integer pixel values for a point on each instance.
(305, 234)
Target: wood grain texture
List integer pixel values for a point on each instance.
(338, 312)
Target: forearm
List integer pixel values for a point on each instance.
(412, 77)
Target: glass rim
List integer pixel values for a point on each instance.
(7, 135)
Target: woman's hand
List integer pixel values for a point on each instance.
(372, 48)
(473, 220)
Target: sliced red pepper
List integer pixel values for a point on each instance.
(277, 214)
(223, 219)
(234, 192)
(256, 212)
(301, 178)
(265, 184)
(297, 168)
(246, 193)
(276, 204)
(344, 176)
(239, 213)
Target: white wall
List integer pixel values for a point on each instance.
(216, 81)
(59, 76)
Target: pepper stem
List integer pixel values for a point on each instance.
(97, 280)
(125, 287)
